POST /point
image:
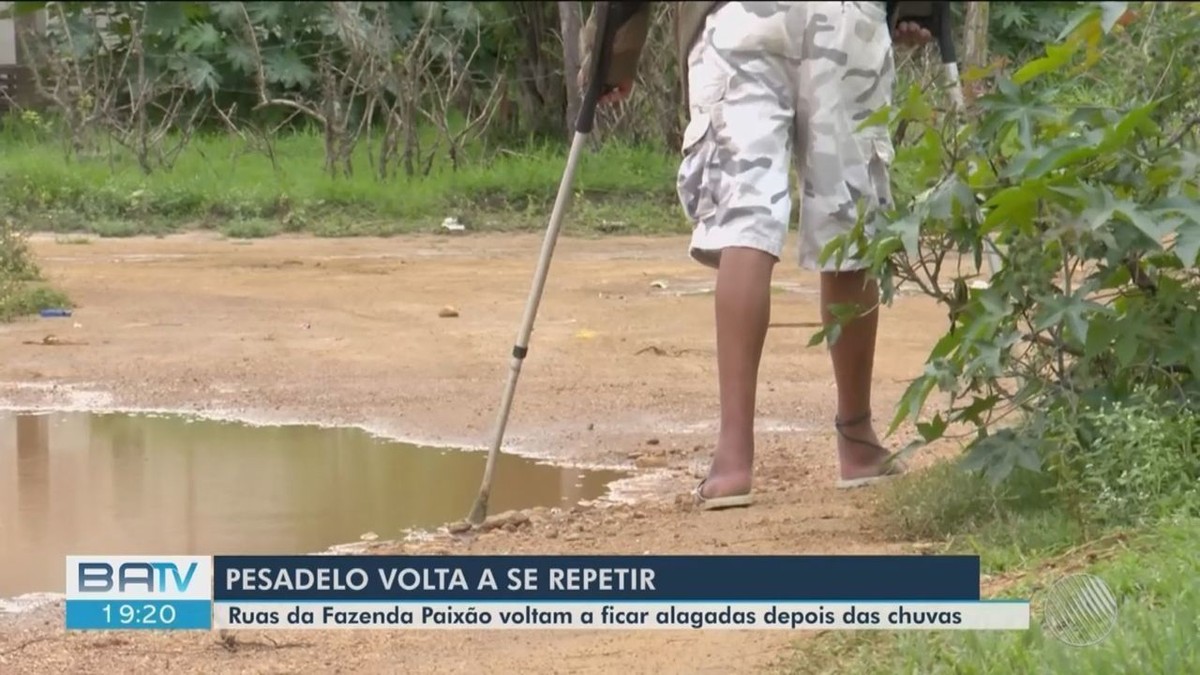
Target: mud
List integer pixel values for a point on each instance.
(347, 332)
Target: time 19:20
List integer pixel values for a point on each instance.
(146, 614)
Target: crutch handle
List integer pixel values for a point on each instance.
(942, 25)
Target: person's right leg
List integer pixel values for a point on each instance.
(734, 186)
(743, 310)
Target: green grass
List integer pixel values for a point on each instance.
(1007, 526)
(1125, 511)
(215, 183)
(1153, 576)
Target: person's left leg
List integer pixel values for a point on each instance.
(853, 355)
(843, 168)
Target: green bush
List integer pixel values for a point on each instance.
(1096, 215)
(20, 292)
(16, 262)
(1125, 463)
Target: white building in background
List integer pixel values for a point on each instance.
(8, 39)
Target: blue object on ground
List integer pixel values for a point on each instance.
(56, 312)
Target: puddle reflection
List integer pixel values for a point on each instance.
(80, 483)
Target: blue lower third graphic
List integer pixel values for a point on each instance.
(134, 614)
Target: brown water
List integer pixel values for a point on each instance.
(109, 484)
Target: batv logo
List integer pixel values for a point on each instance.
(151, 577)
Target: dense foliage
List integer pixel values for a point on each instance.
(150, 74)
(1094, 210)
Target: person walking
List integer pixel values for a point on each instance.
(770, 85)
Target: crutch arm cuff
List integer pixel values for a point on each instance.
(630, 27)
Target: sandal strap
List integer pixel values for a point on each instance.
(840, 424)
(849, 423)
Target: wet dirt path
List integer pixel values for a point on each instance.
(621, 373)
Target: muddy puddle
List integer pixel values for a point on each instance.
(90, 483)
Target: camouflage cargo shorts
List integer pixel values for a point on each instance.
(776, 84)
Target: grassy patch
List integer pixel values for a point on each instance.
(1006, 525)
(1116, 464)
(27, 298)
(1121, 467)
(215, 183)
(1153, 576)
(21, 290)
(251, 229)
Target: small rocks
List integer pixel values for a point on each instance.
(650, 462)
(448, 312)
(459, 527)
(509, 520)
(652, 441)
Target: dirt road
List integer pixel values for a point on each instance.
(348, 331)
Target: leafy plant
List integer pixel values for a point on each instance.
(19, 292)
(1095, 215)
(16, 261)
(1129, 462)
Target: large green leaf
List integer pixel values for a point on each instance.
(197, 73)
(1073, 311)
(912, 401)
(1056, 57)
(199, 37)
(229, 14)
(1016, 204)
(266, 14)
(242, 57)
(1187, 244)
(908, 229)
(165, 18)
(287, 68)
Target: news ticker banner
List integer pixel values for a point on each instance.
(533, 592)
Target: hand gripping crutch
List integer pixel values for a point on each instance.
(936, 17)
(609, 16)
(941, 28)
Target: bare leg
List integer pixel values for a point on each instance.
(853, 357)
(743, 310)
